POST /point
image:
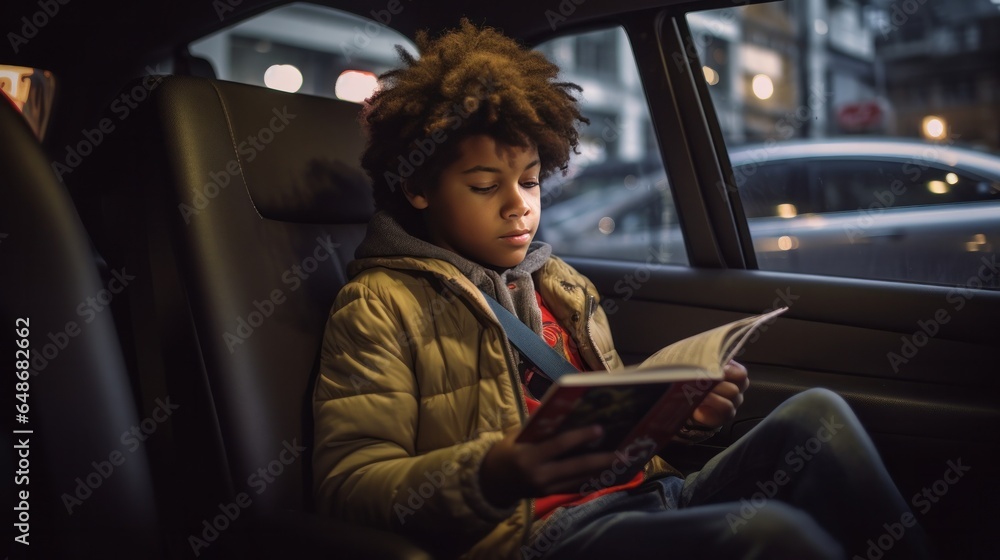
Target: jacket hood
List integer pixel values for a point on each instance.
(386, 243)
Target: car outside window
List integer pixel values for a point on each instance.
(864, 136)
(775, 190)
(848, 186)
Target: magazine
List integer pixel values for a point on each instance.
(642, 407)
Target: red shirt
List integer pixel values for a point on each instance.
(559, 339)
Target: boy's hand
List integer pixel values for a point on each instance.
(511, 471)
(721, 403)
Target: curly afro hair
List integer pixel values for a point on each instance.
(467, 81)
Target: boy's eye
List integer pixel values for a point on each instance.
(485, 190)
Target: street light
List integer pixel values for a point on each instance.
(934, 128)
(763, 87)
(355, 85)
(283, 77)
(711, 76)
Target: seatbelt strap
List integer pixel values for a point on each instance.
(546, 360)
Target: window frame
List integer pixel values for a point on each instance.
(688, 133)
(689, 137)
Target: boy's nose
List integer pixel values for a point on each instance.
(515, 204)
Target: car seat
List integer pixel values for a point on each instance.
(81, 481)
(241, 205)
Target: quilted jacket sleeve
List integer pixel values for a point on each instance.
(365, 406)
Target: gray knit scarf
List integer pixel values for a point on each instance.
(386, 238)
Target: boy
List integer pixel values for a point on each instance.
(420, 395)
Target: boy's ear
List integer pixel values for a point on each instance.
(417, 200)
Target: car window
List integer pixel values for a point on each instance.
(614, 202)
(308, 49)
(774, 189)
(864, 136)
(847, 186)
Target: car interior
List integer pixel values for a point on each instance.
(176, 283)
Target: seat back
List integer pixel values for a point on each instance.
(245, 204)
(82, 478)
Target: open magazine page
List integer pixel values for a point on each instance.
(738, 337)
(713, 348)
(703, 350)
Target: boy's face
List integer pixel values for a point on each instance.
(486, 204)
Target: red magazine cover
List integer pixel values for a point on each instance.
(639, 411)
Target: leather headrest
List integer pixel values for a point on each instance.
(299, 154)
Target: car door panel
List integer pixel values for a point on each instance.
(938, 407)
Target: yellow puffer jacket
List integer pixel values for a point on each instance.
(417, 381)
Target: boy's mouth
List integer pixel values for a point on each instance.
(518, 237)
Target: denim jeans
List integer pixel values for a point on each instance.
(804, 483)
